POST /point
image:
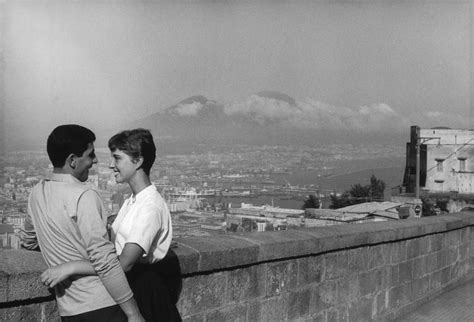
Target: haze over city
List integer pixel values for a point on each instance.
(359, 69)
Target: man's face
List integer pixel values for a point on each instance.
(84, 163)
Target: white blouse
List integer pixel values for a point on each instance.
(145, 220)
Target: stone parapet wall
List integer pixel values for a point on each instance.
(359, 272)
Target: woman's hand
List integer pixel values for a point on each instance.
(55, 275)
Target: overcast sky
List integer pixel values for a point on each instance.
(97, 63)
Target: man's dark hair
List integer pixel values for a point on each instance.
(135, 143)
(68, 139)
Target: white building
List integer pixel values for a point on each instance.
(446, 162)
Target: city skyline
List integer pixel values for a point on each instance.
(369, 67)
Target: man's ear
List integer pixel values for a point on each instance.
(71, 160)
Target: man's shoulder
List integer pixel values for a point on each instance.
(66, 189)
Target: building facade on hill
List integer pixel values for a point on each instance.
(446, 163)
(8, 238)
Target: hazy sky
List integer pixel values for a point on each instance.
(96, 63)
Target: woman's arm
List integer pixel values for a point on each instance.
(54, 275)
(130, 255)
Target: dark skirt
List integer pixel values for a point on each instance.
(111, 313)
(153, 296)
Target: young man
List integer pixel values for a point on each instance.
(70, 223)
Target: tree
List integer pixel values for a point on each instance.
(377, 187)
(341, 201)
(311, 201)
(359, 194)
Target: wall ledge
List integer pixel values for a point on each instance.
(20, 270)
(201, 254)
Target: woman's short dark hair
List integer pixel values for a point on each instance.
(135, 143)
(68, 139)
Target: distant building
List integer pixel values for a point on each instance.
(446, 163)
(8, 238)
(266, 210)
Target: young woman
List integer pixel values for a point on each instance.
(141, 232)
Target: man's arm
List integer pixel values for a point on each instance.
(28, 239)
(102, 253)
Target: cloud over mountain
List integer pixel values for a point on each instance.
(315, 115)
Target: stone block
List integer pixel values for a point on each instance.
(318, 317)
(405, 272)
(367, 283)
(442, 258)
(398, 252)
(343, 313)
(280, 277)
(284, 244)
(332, 315)
(342, 290)
(358, 260)
(455, 272)
(392, 276)
(424, 245)
(455, 225)
(381, 301)
(414, 248)
(21, 261)
(471, 248)
(398, 297)
(310, 270)
(217, 252)
(180, 260)
(20, 272)
(324, 296)
(348, 289)
(361, 310)
(420, 287)
(23, 286)
(299, 303)
(378, 256)
(431, 262)
(419, 268)
(453, 255)
(435, 280)
(272, 309)
(31, 312)
(202, 292)
(436, 242)
(236, 313)
(336, 265)
(463, 251)
(408, 229)
(50, 311)
(465, 235)
(246, 283)
(453, 238)
(445, 275)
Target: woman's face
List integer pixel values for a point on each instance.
(123, 165)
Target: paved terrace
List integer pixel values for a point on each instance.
(376, 271)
